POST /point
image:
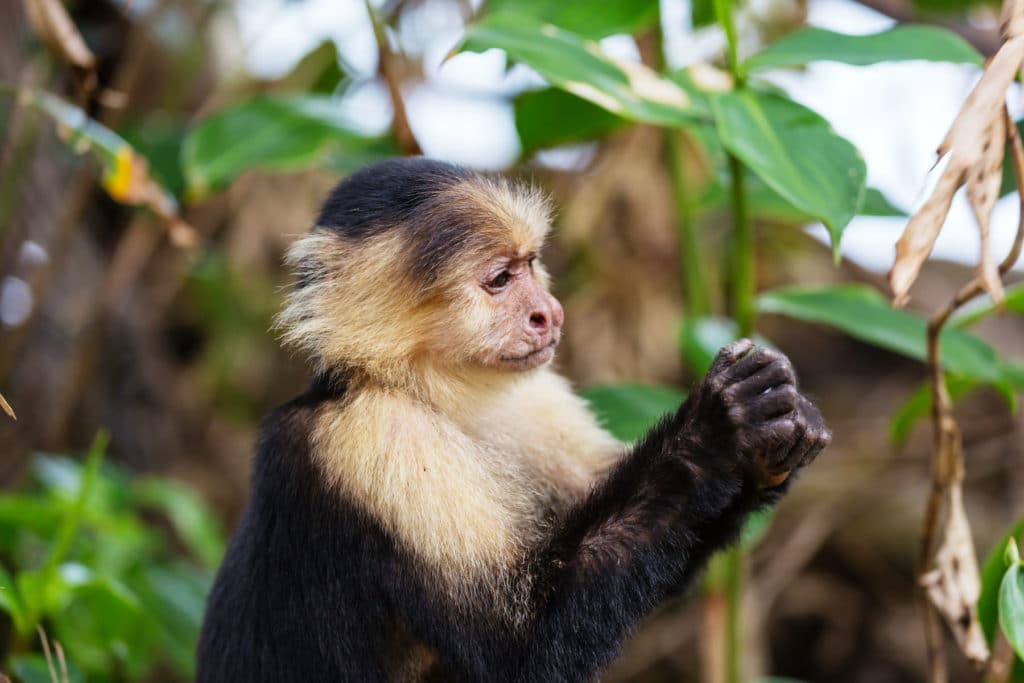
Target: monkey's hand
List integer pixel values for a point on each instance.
(748, 411)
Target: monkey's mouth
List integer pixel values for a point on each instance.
(533, 358)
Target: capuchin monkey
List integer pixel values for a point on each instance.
(439, 504)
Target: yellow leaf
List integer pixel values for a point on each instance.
(118, 180)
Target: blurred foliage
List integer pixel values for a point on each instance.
(94, 556)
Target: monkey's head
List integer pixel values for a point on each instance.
(416, 263)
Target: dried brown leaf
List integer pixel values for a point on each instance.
(962, 151)
(922, 230)
(58, 32)
(953, 584)
(1011, 21)
(983, 181)
(6, 407)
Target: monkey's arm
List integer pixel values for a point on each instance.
(682, 493)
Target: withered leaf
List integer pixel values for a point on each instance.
(6, 407)
(58, 32)
(953, 584)
(983, 183)
(967, 158)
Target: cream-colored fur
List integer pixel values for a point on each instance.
(463, 483)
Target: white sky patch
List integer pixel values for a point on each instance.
(475, 131)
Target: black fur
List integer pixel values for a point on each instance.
(405, 194)
(312, 589)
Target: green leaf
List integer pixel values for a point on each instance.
(288, 132)
(33, 669)
(1011, 607)
(10, 602)
(628, 411)
(900, 44)
(194, 523)
(861, 312)
(984, 307)
(702, 13)
(319, 72)
(991, 577)
(174, 598)
(796, 153)
(702, 337)
(104, 622)
(1011, 555)
(876, 204)
(567, 61)
(919, 406)
(581, 16)
(550, 117)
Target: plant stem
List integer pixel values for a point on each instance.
(741, 254)
(691, 260)
(741, 303)
(72, 519)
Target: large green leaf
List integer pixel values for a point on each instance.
(550, 117)
(195, 524)
(899, 44)
(174, 598)
(796, 153)
(104, 623)
(569, 62)
(1011, 601)
(276, 133)
(919, 406)
(629, 410)
(582, 16)
(863, 313)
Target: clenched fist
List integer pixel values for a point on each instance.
(748, 409)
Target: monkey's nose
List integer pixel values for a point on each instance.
(539, 322)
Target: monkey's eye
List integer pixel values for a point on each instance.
(499, 282)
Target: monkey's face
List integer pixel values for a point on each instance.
(517, 323)
(525, 322)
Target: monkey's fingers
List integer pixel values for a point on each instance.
(729, 354)
(778, 368)
(767, 404)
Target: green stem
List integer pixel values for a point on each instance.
(741, 254)
(741, 300)
(71, 521)
(734, 564)
(691, 260)
(723, 14)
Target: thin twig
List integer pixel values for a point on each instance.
(46, 652)
(947, 458)
(387, 66)
(64, 678)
